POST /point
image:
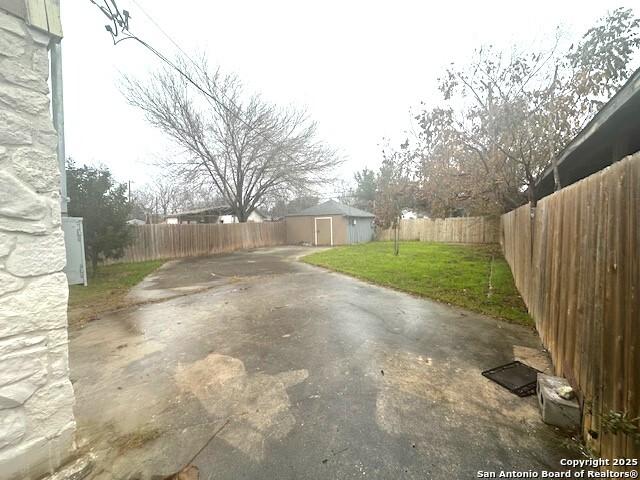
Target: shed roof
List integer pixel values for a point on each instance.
(215, 209)
(612, 133)
(210, 211)
(332, 208)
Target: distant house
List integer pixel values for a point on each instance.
(136, 221)
(413, 214)
(612, 134)
(330, 223)
(254, 217)
(216, 214)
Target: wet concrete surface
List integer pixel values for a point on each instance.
(297, 372)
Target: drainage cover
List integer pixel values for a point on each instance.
(516, 377)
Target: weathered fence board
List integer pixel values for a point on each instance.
(448, 230)
(152, 242)
(575, 260)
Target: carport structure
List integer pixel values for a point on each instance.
(330, 223)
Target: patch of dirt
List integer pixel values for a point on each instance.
(80, 315)
(189, 473)
(135, 440)
(538, 359)
(258, 403)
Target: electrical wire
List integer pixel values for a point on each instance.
(334, 193)
(168, 37)
(122, 20)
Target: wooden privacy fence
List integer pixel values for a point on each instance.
(447, 230)
(575, 260)
(152, 242)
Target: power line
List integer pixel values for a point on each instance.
(175, 44)
(120, 21)
(198, 67)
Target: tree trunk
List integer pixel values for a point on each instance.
(94, 264)
(531, 194)
(556, 174)
(242, 215)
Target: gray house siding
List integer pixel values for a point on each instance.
(301, 226)
(362, 231)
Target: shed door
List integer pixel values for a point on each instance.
(324, 230)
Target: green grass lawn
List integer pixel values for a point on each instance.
(106, 290)
(455, 274)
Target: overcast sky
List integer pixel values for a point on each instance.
(357, 66)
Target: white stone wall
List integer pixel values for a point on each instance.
(36, 396)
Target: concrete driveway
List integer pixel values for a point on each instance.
(253, 365)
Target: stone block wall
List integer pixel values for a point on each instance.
(36, 396)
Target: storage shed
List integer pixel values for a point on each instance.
(330, 223)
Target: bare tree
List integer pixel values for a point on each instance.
(189, 197)
(245, 147)
(165, 192)
(158, 197)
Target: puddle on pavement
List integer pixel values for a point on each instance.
(257, 404)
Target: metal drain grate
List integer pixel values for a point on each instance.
(516, 377)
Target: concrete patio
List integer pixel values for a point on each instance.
(283, 370)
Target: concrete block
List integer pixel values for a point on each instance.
(40, 305)
(58, 354)
(7, 243)
(11, 345)
(55, 217)
(14, 129)
(556, 410)
(18, 72)
(50, 409)
(11, 46)
(27, 101)
(9, 283)
(46, 138)
(40, 63)
(36, 168)
(25, 365)
(37, 255)
(16, 394)
(12, 24)
(18, 201)
(25, 226)
(12, 426)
